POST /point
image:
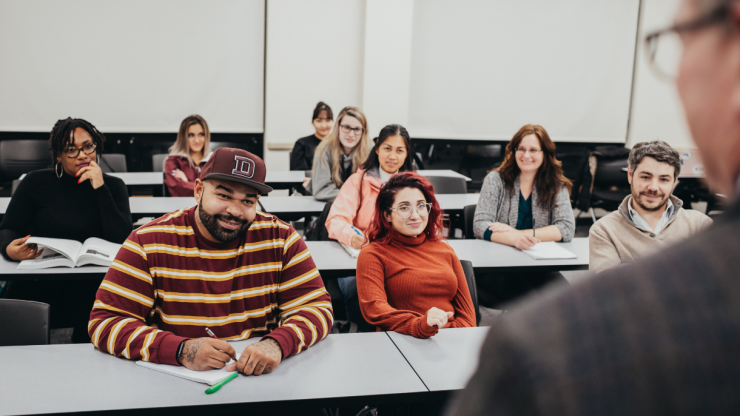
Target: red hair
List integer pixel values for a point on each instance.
(381, 230)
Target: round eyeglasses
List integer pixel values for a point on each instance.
(404, 212)
(72, 152)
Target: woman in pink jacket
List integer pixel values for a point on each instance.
(353, 209)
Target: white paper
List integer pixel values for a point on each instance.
(210, 377)
(549, 251)
(353, 252)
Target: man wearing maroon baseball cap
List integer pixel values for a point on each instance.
(220, 266)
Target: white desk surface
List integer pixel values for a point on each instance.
(485, 254)
(442, 172)
(79, 378)
(284, 176)
(139, 178)
(4, 205)
(456, 202)
(445, 361)
(330, 256)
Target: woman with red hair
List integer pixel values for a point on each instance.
(408, 279)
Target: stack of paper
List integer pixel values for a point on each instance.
(206, 377)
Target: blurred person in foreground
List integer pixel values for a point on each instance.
(659, 336)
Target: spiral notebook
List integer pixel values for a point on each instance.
(210, 377)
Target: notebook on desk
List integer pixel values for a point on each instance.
(206, 377)
(549, 251)
(353, 252)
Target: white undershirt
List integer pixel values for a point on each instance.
(385, 176)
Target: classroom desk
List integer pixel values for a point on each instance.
(333, 261)
(487, 256)
(446, 361)
(8, 272)
(343, 369)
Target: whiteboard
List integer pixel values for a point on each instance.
(132, 66)
(481, 69)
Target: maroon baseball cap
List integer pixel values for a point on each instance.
(236, 165)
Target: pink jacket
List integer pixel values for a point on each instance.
(344, 214)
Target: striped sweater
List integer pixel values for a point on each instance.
(168, 283)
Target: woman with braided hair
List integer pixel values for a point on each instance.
(73, 200)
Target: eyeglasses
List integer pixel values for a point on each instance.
(405, 211)
(663, 48)
(533, 152)
(347, 129)
(72, 152)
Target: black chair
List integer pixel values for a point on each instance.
(113, 162)
(448, 185)
(611, 185)
(158, 162)
(470, 278)
(22, 156)
(468, 215)
(23, 322)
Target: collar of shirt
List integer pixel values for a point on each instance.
(385, 176)
(640, 222)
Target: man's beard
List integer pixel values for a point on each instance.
(218, 232)
(636, 197)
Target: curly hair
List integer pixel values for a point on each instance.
(380, 230)
(63, 134)
(549, 179)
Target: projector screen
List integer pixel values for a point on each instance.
(481, 69)
(132, 66)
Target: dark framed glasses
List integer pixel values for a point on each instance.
(72, 152)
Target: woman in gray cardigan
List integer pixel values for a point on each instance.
(523, 202)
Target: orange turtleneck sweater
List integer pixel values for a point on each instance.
(397, 283)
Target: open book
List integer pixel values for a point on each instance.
(353, 252)
(209, 377)
(58, 252)
(549, 251)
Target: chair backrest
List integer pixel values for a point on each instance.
(158, 162)
(448, 185)
(22, 156)
(468, 215)
(611, 173)
(319, 232)
(23, 322)
(470, 278)
(113, 162)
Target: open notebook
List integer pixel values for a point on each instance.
(549, 251)
(206, 377)
(353, 252)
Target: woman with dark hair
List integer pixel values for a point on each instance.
(524, 201)
(189, 153)
(73, 200)
(408, 279)
(353, 209)
(301, 157)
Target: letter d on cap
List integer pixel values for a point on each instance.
(244, 167)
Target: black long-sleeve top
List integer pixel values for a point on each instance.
(47, 206)
(302, 156)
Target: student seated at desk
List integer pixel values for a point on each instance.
(340, 154)
(408, 279)
(353, 209)
(187, 156)
(301, 158)
(524, 201)
(220, 264)
(73, 200)
(649, 219)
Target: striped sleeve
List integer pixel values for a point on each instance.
(123, 302)
(306, 315)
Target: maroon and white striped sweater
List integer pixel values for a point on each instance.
(168, 283)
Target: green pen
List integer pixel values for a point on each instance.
(217, 386)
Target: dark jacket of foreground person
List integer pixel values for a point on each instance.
(657, 337)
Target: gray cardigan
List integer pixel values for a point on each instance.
(321, 186)
(495, 205)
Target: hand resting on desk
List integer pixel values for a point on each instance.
(259, 358)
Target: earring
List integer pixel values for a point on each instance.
(57, 171)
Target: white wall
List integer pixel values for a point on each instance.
(315, 53)
(657, 113)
